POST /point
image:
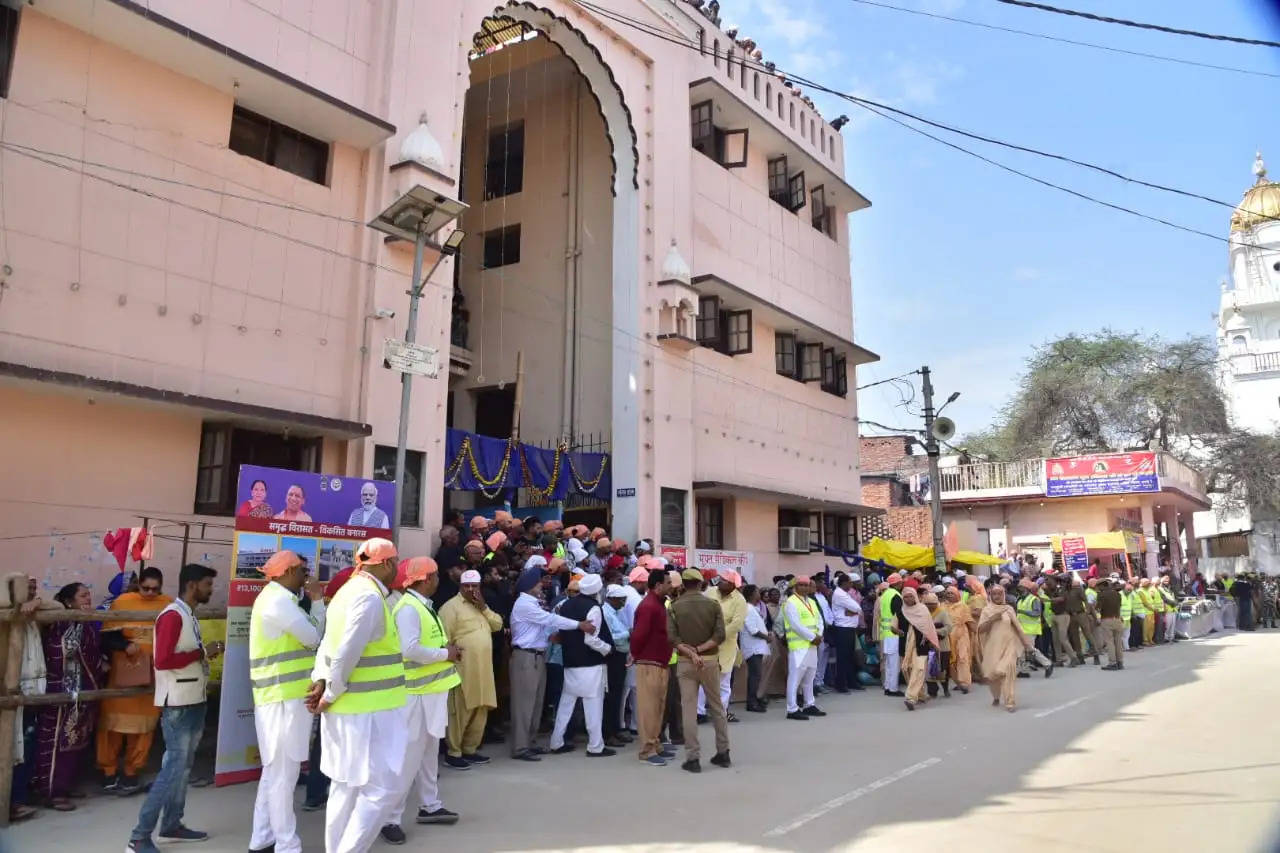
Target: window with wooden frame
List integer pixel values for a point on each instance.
(708, 325)
(225, 447)
(278, 145)
(822, 217)
(779, 189)
(842, 377)
(726, 147)
(796, 196)
(828, 369)
(784, 355)
(504, 166)
(502, 247)
(737, 334)
(810, 362)
(710, 526)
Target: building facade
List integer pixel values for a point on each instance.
(657, 227)
(889, 468)
(1248, 333)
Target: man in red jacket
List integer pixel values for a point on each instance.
(651, 653)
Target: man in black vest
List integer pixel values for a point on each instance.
(584, 669)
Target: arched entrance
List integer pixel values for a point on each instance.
(550, 167)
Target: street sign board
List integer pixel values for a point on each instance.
(411, 358)
(1074, 554)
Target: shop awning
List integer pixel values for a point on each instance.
(1114, 542)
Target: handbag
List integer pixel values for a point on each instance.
(934, 668)
(132, 672)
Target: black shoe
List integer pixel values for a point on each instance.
(703, 718)
(1049, 670)
(392, 834)
(898, 693)
(615, 741)
(315, 807)
(946, 690)
(911, 706)
(538, 750)
(270, 848)
(721, 759)
(731, 718)
(797, 715)
(1025, 674)
(814, 711)
(858, 688)
(604, 753)
(457, 762)
(526, 755)
(563, 749)
(692, 766)
(843, 691)
(1097, 661)
(964, 690)
(476, 758)
(111, 784)
(1111, 667)
(128, 785)
(440, 815)
(182, 833)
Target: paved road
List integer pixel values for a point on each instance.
(1182, 745)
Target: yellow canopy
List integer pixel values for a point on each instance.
(1118, 541)
(900, 555)
(977, 558)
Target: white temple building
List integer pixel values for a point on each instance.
(1249, 350)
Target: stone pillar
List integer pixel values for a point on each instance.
(1169, 518)
(1149, 536)
(1193, 545)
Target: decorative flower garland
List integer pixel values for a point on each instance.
(541, 496)
(583, 485)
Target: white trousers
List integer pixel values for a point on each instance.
(1170, 625)
(628, 702)
(801, 669)
(592, 710)
(273, 818)
(821, 677)
(889, 661)
(424, 754)
(726, 687)
(354, 816)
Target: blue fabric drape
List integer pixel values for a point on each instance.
(476, 463)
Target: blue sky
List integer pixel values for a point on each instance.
(965, 268)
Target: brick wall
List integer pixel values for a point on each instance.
(910, 524)
(881, 454)
(876, 493)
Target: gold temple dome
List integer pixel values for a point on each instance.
(1261, 203)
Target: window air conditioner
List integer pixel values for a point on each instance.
(793, 540)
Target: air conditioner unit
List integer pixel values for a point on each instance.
(793, 540)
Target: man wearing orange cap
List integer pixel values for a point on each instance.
(803, 622)
(359, 687)
(282, 644)
(889, 607)
(430, 669)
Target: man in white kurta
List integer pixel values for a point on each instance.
(802, 664)
(363, 754)
(428, 713)
(585, 682)
(283, 725)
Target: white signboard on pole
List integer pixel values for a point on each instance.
(411, 358)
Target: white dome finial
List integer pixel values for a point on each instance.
(1259, 167)
(422, 147)
(674, 267)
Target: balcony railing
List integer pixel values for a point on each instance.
(1259, 362)
(1026, 477)
(1022, 475)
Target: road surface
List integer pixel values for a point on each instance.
(1182, 747)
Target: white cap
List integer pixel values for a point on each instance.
(960, 573)
(855, 577)
(614, 591)
(643, 546)
(470, 576)
(948, 580)
(590, 585)
(937, 587)
(535, 561)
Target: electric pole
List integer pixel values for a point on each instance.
(935, 487)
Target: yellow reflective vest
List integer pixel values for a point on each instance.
(377, 681)
(1126, 606)
(422, 678)
(888, 621)
(809, 618)
(279, 668)
(1027, 617)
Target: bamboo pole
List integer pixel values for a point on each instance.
(42, 699)
(519, 397)
(45, 617)
(13, 591)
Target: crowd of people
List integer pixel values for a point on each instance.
(546, 640)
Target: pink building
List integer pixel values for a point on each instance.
(188, 283)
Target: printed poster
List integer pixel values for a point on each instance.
(321, 517)
(1075, 556)
(1101, 474)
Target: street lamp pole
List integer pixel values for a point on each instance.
(406, 379)
(935, 487)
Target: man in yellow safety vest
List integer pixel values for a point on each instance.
(282, 650)
(889, 605)
(429, 672)
(359, 687)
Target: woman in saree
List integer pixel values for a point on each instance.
(1003, 644)
(64, 733)
(961, 645)
(922, 637)
(977, 601)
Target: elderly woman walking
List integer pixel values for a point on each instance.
(1003, 644)
(961, 646)
(922, 638)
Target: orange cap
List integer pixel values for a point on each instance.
(415, 569)
(374, 551)
(280, 562)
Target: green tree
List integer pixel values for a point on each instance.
(1110, 391)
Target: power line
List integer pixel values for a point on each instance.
(873, 106)
(1061, 40)
(890, 379)
(1127, 23)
